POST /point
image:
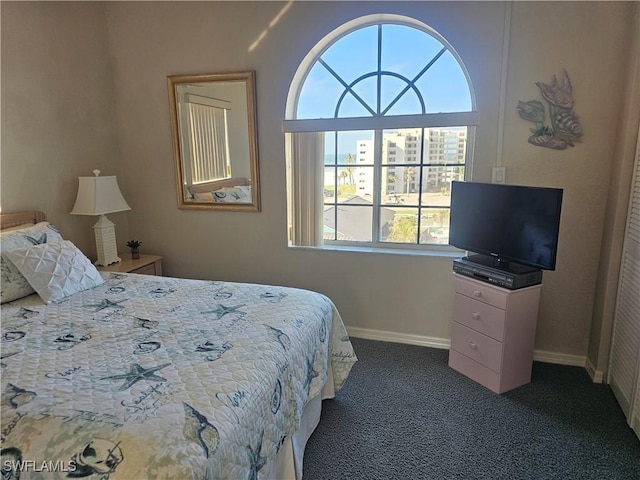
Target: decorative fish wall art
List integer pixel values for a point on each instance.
(565, 128)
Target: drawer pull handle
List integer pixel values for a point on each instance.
(475, 316)
(473, 346)
(477, 293)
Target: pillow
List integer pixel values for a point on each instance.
(203, 197)
(55, 270)
(13, 285)
(239, 194)
(39, 233)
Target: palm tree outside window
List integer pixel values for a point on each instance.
(380, 119)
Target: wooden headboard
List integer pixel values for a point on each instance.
(8, 220)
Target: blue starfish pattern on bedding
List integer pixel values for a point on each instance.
(106, 303)
(220, 311)
(137, 373)
(160, 367)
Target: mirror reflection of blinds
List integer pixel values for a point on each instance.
(208, 101)
(209, 146)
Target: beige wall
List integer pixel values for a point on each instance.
(58, 111)
(203, 37)
(591, 41)
(616, 214)
(148, 41)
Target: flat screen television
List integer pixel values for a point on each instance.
(506, 223)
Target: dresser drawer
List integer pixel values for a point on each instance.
(482, 292)
(472, 369)
(479, 316)
(146, 270)
(478, 347)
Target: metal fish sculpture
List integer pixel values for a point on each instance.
(565, 125)
(558, 95)
(532, 111)
(565, 128)
(548, 141)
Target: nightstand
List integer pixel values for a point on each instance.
(146, 265)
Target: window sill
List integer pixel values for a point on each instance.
(448, 253)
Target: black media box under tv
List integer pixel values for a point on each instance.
(511, 276)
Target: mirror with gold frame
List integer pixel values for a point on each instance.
(215, 145)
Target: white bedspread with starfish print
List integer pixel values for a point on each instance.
(156, 377)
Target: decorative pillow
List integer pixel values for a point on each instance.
(203, 197)
(39, 233)
(239, 194)
(55, 270)
(13, 285)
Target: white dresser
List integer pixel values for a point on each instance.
(493, 333)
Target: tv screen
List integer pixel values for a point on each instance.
(509, 223)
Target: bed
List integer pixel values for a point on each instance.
(228, 190)
(131, 376)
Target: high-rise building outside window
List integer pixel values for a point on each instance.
(380, 120)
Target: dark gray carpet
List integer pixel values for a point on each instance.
(404, 414)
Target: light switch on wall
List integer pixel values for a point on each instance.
(498, 175)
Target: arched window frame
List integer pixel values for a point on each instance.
(304, 212)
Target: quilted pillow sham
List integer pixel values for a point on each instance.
(55, 270)
(14, 285)
(239, 194)
(35, 234)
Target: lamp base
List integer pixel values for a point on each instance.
(105, 233)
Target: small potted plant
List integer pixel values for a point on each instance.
(134, 245)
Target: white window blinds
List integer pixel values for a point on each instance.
(208, 148)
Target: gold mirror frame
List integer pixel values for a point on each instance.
(199, 195)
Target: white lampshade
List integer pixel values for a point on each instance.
(99, 196)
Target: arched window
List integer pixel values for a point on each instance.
(379, 121)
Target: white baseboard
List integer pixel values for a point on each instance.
(406, 338)
(559, 358)
(445, 343)
(596, 375)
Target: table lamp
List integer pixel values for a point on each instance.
(98, 196)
